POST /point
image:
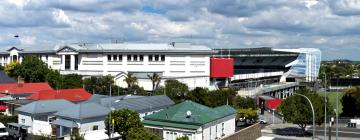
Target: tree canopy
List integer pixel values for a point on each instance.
(141, 134)
(123, 121)
(351, 102)
(175, 90)
(32, 69)
(130, 80)
(155, 80)
(297, 110)
(101, 85)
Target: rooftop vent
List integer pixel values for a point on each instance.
(188, 114)
(180, 44)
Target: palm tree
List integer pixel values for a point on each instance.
(155, 79)
(130, 80)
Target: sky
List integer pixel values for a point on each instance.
(330, 25)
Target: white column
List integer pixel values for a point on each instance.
(62, 67)
(105, 64)
(2, 61)
(72, 62)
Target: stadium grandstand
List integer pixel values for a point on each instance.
(259, 71)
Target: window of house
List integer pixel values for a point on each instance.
(23, 121)
(47, 57)
(128, 57)
(120, 57)
(95, 127)
(156, 57)
(109, 57)
(162, 57)
(141, 57)
(135, 58)
(115, 57)
(150, 58)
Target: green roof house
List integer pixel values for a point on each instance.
(194, 120)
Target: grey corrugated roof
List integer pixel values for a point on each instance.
(106, 101)
(45, 106)
(4, 78)
(83, 111)
(65, 123)
(96, 98)
(142, 104)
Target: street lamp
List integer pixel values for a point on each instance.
(313, 112)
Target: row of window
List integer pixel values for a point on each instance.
(139, 58)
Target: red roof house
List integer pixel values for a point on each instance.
(75, 95)
(21, 88)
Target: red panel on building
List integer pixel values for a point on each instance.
(221, 67)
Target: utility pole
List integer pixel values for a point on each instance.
(337, 108)
(325, 110)
(110, 120)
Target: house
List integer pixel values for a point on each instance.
(194, 120)
(89, 116)
(18, 91)
(73, 95)
(38, 115)
(186, 62)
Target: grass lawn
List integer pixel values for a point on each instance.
(332, 99)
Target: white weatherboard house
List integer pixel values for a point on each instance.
(185, 62)
(196, 121)
(89, 116)
(38, 115)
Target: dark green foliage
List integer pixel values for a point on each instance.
(72, 81)
(1, 67)
(351, 102)
(297, 110)
(8, 119)
(130, 80)
(182, 138)
(101, 85)
(244, 102)
(211, 98)
(75, 135)
(176, 90)
(136, 90)
(32, 69)
(35, 137)
(141, 134)
(54, 79)
(124, 121)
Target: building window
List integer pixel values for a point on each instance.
(67, 62)
(135, 58)
(95, 127)
(128, 57)
(76, 62)
(141, 58)
(162, 57)
(150, 58)
(23, 121)
(115, 57)
(109, 57)
(156, 57)
(120, 57)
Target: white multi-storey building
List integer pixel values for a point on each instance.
(185, 62)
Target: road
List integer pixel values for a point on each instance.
(344, 132)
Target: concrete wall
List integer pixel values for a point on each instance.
(250, 133)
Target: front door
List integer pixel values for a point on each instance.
(67, 62)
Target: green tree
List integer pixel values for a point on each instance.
(182, 138)
(244, 102)
(155, 80)
(32, 69)
(10, 69)
(141, 134)
(137, 90)
(176, 90)
(123, 121)
(220, 97)
(130, 80)
(72, 81)
(1, 68)
(75, 135)
(54, 79)
(351, 102)
(297, 110)
(101, 85)
(247, 113)
(198, 95)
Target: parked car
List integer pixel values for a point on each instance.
(3, 133)
(16, 131)
(262, 121)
